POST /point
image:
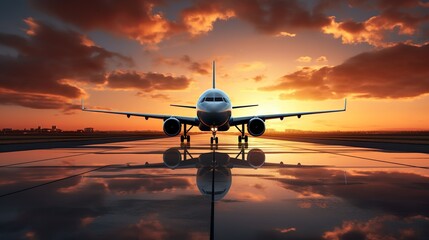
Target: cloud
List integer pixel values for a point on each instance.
(285, 34)
(274, 17)
(250, 66)
(37, 101)
(369, 190)
(322, 59)
(146, 82)
(134, 185)
(154, 95)
(403, 18)
(135, 19)
(304, 59)
(144, 20)
(48, 64)
(286, 230)
(197, 67)
(395, 72)
(380, 228)
(259, 78)
(199, 19)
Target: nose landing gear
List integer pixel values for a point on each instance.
(214, 138)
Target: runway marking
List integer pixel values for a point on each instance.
(54, 158)
(366, 158)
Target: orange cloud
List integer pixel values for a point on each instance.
(396, 72)
(304, 59)
(378, 228)
(199, 19)
(322, 59)
(375, 29)
(250, 66)
(259, 78)
(285, 34)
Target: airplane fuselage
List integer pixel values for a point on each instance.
(214, 110)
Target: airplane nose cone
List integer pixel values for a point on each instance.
(216, 107)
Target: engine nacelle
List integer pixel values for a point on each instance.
(172, 127)
(256, 126)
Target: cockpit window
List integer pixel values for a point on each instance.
(214, 99)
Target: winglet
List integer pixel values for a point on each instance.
(214, 74)
(345, 104)
(83, 107)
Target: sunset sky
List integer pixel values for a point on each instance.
(286, 56)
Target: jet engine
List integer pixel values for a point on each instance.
(172, 127)
(256, 126)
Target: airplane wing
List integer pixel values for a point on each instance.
(187, 120)
(243, 120)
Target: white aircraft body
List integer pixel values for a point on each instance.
(214, 114)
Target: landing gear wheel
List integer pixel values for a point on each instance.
(216, 140)
(182, 138)
(211, 140)
(239, 138)
(188, 138)
(246, 139)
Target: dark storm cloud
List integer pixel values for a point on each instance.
(395, 72)
(395, 193)
(146, 81)
(135, 19)
(48, 62)
(37, 101)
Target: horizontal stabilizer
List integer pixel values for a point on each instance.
(245, 106)
(183, 106)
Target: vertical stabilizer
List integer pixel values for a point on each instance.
(214, 74)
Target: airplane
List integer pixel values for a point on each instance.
(213, 110)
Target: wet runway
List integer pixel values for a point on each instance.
(159, 189)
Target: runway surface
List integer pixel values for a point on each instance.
(160, 189)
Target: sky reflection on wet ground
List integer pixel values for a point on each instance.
(269, 189)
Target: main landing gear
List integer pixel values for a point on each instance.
(242, 136)
(185, 135)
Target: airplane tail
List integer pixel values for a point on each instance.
(214, 74)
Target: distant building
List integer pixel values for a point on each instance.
(7, 130)
(88, 130)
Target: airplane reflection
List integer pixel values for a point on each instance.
(208, 164)
(214, 168)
